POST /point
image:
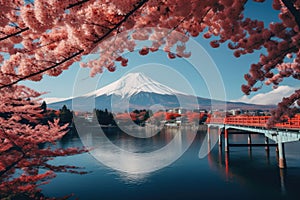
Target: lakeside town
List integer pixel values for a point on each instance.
(171, 117)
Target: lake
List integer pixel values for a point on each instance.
(241, 174)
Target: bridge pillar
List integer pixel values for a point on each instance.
(281, 154)
(249, 145)
(226, 140)
(220, 136)
(208, 134)
(249, 139)
(267, 144)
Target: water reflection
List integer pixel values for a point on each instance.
(209, 142)
(282, 181)
(244, 168)
(132, 179)
(133, 157)
(234, 175)
(268, 162)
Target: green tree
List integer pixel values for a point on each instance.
(65, 115)
(104, 117)
(44, 107)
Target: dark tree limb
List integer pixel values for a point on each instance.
(14, 34)
(295, 12)
(42, 71)
(76, 4)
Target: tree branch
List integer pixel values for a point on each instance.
(138, 6)
(293, 10)
(27, 28)
(11, 165)
(43, 70)
(18, 148)
(14, 34)
(15, 147)
(76, 4)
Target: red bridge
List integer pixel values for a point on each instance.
(256, 121)
(280, 133)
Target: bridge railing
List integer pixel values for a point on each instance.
(257, 121)
(216, 120)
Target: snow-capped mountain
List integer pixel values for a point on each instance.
(134, 83)
(136, 88)
(142, 92)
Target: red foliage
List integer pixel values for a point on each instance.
(20, 138)
(171, 115)
(111, 67)
(132, 116)
(144, 51)
(124, 62)
(123, 116)
(196, 117)
(159, 115)
(171, 55)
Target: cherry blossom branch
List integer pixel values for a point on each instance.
(295, 12)
(77, 4)
(43, 70)
(14, 34)
(27, 28)
(138, 6)
(18, 148)
(12, 165)
(15, 147)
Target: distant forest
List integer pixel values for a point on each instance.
(104, 117)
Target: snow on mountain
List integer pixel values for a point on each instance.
(49, 100)
(134, 83)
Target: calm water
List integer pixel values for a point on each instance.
(242, 174)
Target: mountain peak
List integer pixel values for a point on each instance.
(134, 83)
(136, 77)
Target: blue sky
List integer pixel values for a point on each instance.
(231, 69)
